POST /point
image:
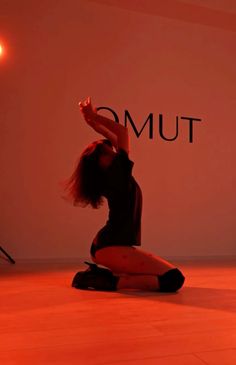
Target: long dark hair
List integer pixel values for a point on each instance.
(85, 185)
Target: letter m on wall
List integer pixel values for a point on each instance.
(150, 119)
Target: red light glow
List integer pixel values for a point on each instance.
(1, 50)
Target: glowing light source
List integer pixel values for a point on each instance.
(1, 50)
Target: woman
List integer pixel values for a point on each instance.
(103, 172)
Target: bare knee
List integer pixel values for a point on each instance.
(171, 281)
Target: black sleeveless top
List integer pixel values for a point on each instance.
(124, 196)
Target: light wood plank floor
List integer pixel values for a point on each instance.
(46, 321)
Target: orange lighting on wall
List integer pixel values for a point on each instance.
(1, 50)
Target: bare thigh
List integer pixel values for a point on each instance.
(131, 260)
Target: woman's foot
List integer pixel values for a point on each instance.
(95, 278)
(171, 281)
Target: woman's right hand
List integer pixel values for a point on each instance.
(88, 111)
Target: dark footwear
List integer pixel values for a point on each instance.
(96, 278)
(171, 281)
(95, 268)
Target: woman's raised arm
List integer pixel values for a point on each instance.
(97, 122)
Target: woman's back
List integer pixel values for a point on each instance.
(124, 197)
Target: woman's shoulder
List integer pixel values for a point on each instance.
(120, 169)
(121, 152)
(122, 160)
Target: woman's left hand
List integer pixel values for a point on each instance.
(88, 111)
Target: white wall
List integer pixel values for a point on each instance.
(142, 59)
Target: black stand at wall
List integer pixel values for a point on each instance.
(8, 256)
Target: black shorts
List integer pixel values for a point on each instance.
(93, 250)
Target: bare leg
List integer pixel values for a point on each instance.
(135, 267)
(131, 260)
(143, 282)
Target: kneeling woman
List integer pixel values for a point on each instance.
(105, 172)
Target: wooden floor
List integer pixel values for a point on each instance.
(46, 321)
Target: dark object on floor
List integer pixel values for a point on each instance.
(171, 281)
(8, 256)
(95, 278)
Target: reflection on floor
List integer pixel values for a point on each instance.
(45, 321)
